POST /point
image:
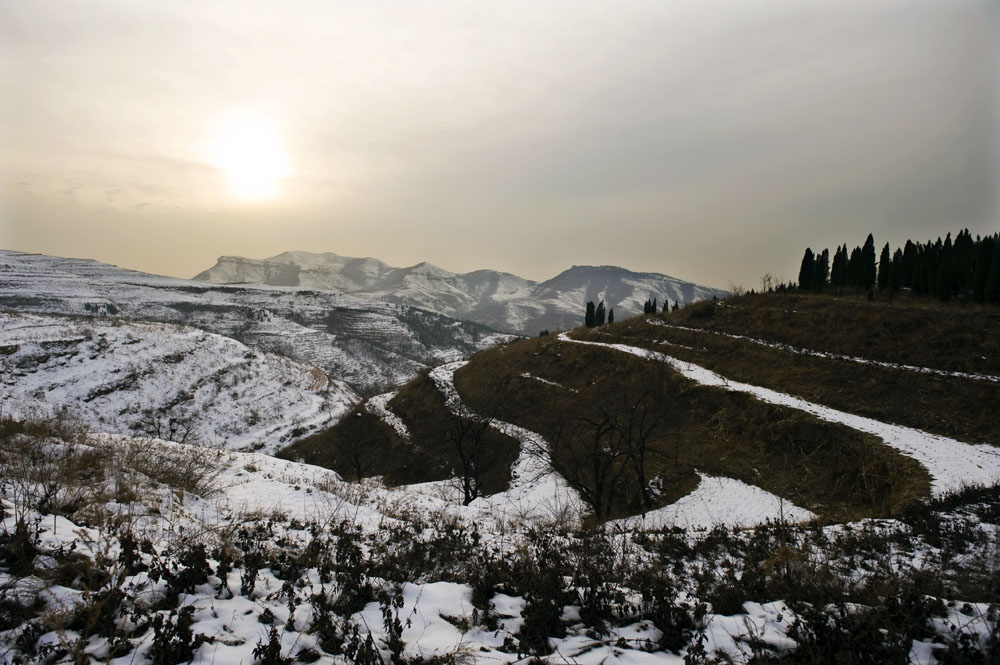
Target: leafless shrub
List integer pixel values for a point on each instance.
(181, 467)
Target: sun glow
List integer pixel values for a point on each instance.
(248, 149)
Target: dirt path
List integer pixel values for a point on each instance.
(319, 379)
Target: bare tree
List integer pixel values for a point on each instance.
(357, 451)
(635, 420)
(588, 455)
(168, 423)
(607, 442)
(465, 435)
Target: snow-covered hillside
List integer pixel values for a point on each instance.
(496, 299)
(169, 381)
(140, 551)
(364, 343)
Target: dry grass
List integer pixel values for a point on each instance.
(831, 469)
(427, 457)
(957, 407)
(358, 446)
(58, 467)
(912, 331)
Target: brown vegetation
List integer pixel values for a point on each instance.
(912, 331)
(833, 470)
(361, 445)
(957, 407)
(630, 434)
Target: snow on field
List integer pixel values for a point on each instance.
(719, 501)
(163, 380)
(953, 465)
(436, 618)
(528, 375)
(379, 406)
(291, 505)
(535, 492)
(832, 356)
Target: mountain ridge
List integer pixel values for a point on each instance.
(368, 345)
(494, 298)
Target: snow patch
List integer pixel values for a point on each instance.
(719, 501)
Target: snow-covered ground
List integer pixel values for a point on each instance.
(162, 380)
(718, 501)
(269, 507)
(952, 465)
(527, 375)
(378, 405)
(365, 343)
(535, 492)
(124, 377)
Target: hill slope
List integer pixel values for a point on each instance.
(632, 414)
(500, 300)
(163, 380)
(363, 343)
(148, 552)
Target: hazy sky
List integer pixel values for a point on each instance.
(707, 140)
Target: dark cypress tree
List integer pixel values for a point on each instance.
(647, 306)
(599, 315)
(896, 276)
(884, 269)
(653, 308)
(981, 270)
(920, 267)
(963, 260)
(666, 305)
(943, 284)
(806, 270)
(909, 265)
(677, 305)
(854, 277)
(821, 272)
(611, 316)
(992, 287)
(868, 272)
(838, 273)
(590, 319)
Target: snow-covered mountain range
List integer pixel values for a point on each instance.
(496, 299)
(363, 343)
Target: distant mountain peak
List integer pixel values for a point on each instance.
(501, 300)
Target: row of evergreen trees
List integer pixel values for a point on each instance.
(649, 307)
(965, 268)
(595, 316)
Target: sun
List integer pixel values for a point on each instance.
(248, 149)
